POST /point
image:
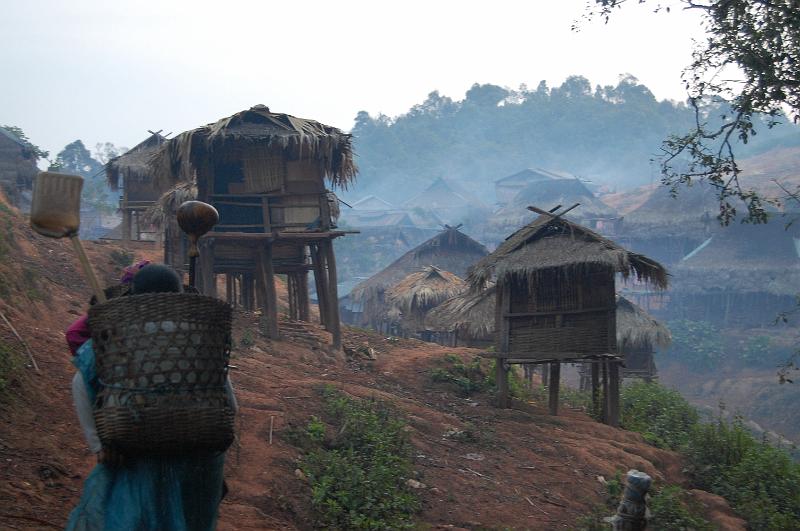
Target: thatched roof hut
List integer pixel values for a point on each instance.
(450, 250)
(691, 213)
(470, 315)
(555, 190)
(551, 242)
(260, 136)
(637, 329)
(422, 290)
(132, 166)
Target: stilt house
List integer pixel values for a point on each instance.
(418, 293)
(638, 337)
(265, 173)
(555, 291)
(466, 319)
(131, 174)
(450, 250)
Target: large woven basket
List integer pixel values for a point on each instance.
(162, 361)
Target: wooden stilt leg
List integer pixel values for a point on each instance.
(228, 288)
(305, 306)
(604, 412)
(270, 310)
(335, 324)
(260, 290)
(545, 374)
(554, 387)
(320, 277)
(595, 368)
(613, 393)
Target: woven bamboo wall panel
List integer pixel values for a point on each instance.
(554, 336)
(264, 171)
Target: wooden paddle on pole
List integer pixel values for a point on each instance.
(56, 213)
(196, 218)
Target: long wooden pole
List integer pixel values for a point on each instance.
(335, 324)
(554, 387)
(271, 302)
(88, 270)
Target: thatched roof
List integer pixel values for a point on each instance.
(165, 209)
(743, 258)
(693, 210)
(294, 138)
(133, 164)
(450, 250)
(636, 329)
(471, 314)
(561, 191)
(550, 242)
(422, 290)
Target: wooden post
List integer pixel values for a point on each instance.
(209, 279)
(595, 366)
(267, 273)
(604, 412)
(302, 288)
(320, 277)
(291, 289)
(260, 288)
(613, 393)
(126, 215)
(335, 324)
(501, 325)
(228, 288)
(251, 291)
(554, 388)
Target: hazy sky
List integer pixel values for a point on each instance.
(102, 70)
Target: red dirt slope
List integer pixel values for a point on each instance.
(525, 470)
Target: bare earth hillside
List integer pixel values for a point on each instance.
(524, 470)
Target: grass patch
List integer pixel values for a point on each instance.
(357, 460)
(476, 376)
(671, 509)
(760, 481)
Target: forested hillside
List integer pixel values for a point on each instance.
(606, 134)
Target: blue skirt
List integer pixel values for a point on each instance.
(147, 493)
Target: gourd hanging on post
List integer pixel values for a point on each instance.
(56, 213)
(196, 218)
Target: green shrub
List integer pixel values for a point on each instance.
(761, 482)
(671, 511)
(465, 378)
(661, 415)
(358, 475)
(698, 344)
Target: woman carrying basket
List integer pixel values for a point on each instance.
(142, 492)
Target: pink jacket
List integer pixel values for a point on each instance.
(78, 333)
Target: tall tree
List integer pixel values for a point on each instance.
(744, 76)
(76, 159)
(34, 151)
